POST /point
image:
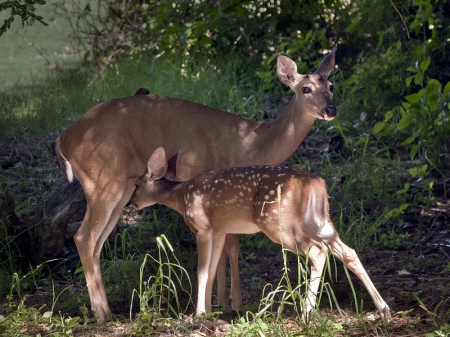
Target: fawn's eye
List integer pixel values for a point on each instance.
(306, 90)
(331, 88)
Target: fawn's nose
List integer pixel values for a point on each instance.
(331, 110)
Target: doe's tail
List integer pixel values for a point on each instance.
(62, 162)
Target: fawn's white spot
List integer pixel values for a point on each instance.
(198, 199)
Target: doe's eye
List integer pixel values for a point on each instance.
(331, 88)
(306, 90)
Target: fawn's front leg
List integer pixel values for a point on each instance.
(204, 248)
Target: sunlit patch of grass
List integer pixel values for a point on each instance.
(54, 104)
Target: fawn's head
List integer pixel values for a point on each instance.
(155, 182)
(313, 91)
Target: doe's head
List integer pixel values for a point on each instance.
(313, 91)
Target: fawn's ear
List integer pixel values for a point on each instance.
(172, 166)
(327, 65)
(157, 164)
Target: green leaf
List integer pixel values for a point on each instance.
(402, 207)
(47, 314)
(414, 98)
(408, 81)
(283, 45)
(425, 64)
(432, 100)
(409, 140)
(264, 74)
(378, 127)
(415, 24)
(413, 171)
(434, 83)
(412, 69)
(418, 79)
(266, 86)
(432, 93)
(204, 40)
(447, 89)
(270, 59)
(403, 190)
(406, 105)
(388, 115)
(419, 171)
(405, 121)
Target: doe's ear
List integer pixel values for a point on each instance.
(327, 65)
(157, 164)
(286, 70)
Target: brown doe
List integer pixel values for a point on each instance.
(246, 200)
(107, 150)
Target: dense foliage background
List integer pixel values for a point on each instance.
(393, 55)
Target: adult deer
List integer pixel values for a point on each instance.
(289, 206)
(107, 150)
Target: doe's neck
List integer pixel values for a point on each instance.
(279, 138)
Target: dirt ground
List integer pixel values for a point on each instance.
(412, 280)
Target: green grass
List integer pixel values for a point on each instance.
(28, 54)
(67, 95)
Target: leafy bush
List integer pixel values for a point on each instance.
(422, 120)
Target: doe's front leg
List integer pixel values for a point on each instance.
(232, 247)
(221, 276)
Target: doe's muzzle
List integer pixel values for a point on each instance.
(331, 110)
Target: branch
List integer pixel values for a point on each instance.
(24, 10)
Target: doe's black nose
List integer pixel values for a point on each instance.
(331, 110)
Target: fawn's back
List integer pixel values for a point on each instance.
(252, 199)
